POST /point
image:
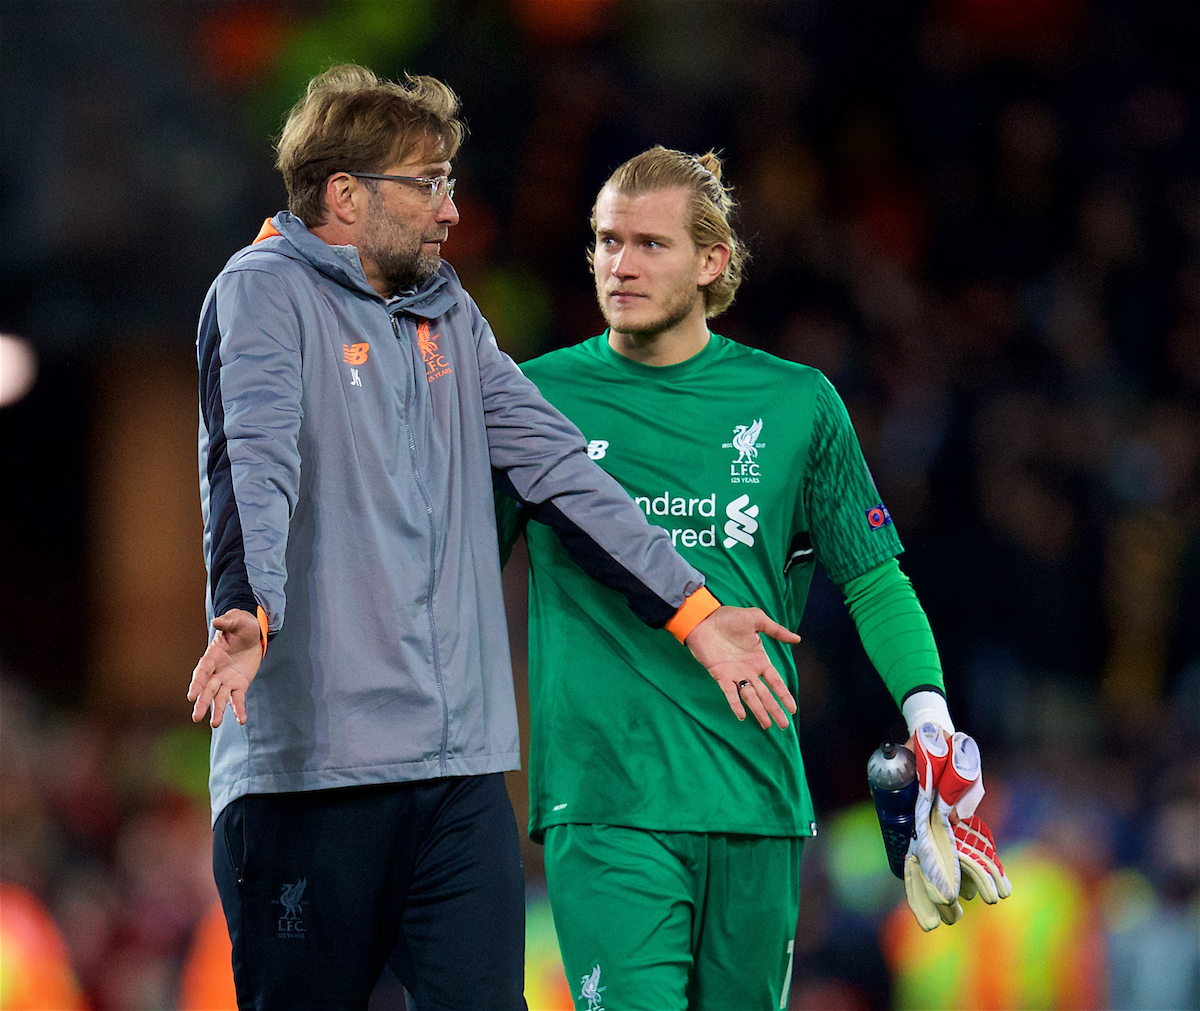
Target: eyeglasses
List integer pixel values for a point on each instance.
(438, 188)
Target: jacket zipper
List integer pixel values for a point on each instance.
(409, 396)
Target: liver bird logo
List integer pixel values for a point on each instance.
(590, 990)
(425, 341)
(436, 364)
(744, 438)
(291, 899)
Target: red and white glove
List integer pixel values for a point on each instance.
(931, 873)
(945, 860)
(982, 871)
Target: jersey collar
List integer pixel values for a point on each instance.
(668, 373)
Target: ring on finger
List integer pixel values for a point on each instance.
(742, 684)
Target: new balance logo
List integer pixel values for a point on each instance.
(741, 525)
(597, 448)
(355, 354)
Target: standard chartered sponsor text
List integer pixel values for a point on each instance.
(668, 504)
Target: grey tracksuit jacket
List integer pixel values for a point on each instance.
(347, 450)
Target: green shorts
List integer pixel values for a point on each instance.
(659, 921)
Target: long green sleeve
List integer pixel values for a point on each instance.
(894, 630)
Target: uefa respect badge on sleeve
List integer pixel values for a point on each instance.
(878, 516)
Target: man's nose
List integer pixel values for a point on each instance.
(447, 214)
(623, 265)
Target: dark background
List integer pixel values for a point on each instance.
(980, 218)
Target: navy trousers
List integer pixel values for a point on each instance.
(322, 889)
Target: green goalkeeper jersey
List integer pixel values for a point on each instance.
(751, 464)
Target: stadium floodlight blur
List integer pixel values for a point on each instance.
(18, 368)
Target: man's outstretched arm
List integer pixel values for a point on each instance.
(248, 351)
(540, 460)
(724, 640)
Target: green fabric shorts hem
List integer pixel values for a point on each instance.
(654, 921)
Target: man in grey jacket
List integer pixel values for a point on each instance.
(354, 407)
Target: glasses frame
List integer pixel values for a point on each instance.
(441, 188)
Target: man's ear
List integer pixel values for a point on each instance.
(345, 198)
(714, 259)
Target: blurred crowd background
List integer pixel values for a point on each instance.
(980, 218)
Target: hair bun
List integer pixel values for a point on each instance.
(711, 162)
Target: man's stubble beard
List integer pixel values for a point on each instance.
(679, 306)
(395, 248)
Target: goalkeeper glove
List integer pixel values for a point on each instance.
(943, 862)
(982, 871)
(924, 900)
(933, 844)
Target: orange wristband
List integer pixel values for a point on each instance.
(262, 627)
(694, 610)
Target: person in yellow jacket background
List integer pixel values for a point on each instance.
(1042, 948)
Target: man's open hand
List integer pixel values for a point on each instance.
(727, 644)
(227, 667)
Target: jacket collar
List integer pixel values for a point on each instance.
(342, 264)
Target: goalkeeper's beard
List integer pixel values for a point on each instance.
(677, 305)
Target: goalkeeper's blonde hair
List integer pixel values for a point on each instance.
(709, 213)
(350, 120)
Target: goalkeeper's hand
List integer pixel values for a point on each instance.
(953, 853)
